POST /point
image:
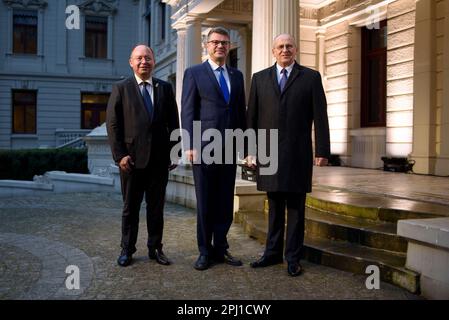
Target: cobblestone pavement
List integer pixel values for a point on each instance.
(41, 236)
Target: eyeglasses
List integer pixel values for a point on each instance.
(146, 58)
(287, 47)
(216, 43)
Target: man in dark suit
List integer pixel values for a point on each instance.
(141, 114)
(213, 93)
(288, 97)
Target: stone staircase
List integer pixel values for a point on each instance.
(350, 231)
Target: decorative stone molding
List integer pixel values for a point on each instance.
(308, 13)
(99, 7)
(183, 8)
(26, 4)
(179, 9)
(245, 6)
(172, 3)
(342, 7)
(43, 179)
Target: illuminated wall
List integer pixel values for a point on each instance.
(337, 73)
(431, 99)
(442, 93)
(363, 147)
(400, 55)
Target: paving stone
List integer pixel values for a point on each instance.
(41, 236)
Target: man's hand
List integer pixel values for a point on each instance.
(321, 162)
(191, 155)
(251, 162)
(126, 164)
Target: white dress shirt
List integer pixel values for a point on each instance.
(279, 69)
(149, 88)
(214, 67)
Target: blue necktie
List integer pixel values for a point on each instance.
(147, 100)
(284, 78)
(223, 85)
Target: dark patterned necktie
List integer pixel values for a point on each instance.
(147, 100)
(284, 78)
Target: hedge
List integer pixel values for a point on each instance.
(25, 164)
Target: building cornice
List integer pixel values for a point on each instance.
(26, 4)
(99, 7)
(340, 8)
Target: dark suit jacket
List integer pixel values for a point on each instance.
(202, 99)
(302, 103)
(129, 129)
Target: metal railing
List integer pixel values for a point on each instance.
(66, 138)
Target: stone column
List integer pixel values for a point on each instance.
(262, 35)
(320, 57)
(180, 62)
(110, 37)
(242, 53)
(193, 42)
(141, 22)
(9, 30)
(40, 32)
(424, 88)
(442, 163)
(188, 53)
(154, 23)
(61, 38)
(285, 17)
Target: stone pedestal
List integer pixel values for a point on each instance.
(428, 254)
(98, 152)
(181, 190)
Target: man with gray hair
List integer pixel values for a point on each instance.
(289, 98)
(214, 94)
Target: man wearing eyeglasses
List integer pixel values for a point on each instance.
(213, 94)
(289, 98)
(141, 114)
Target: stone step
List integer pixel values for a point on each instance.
(339, 254)
(371, 206)
(368, 233)
(355, 258)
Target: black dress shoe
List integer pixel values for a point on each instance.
(202, 263)
(266, 261)
(159, 256)
(124, 259)
(226, 258)
(229, 259)
(294, 269)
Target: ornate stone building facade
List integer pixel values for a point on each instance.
(384, 65)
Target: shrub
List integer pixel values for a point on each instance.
(25, 164)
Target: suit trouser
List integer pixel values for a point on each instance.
(214, 187)
(295, 203)
(151, 182)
